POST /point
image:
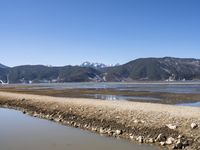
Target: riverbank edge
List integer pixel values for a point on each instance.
(103, 119)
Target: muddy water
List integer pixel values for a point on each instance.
(22, 132)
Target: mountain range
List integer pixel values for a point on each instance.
(143, 69)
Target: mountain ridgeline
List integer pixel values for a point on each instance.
(143, 69)
(42, 74)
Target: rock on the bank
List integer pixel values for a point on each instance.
(170, 126)
(101, 130)
(178, 145)
(162, 143)
(131, 137)
(151, 140)
(170, 140)
(194, 125)
(140, 139)
(118, 132)
(160, 138)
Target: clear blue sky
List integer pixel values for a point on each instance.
(61, 32)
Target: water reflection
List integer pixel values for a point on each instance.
(120, 97)
(194, 104)
(183, 87)
(21, 132)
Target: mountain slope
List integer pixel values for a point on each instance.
(78, 74)
(39, 73)
(166, 68)
(3, 66)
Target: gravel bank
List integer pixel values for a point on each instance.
(172, 127)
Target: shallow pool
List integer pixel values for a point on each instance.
(22, 132)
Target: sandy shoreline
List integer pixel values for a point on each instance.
(131, 120)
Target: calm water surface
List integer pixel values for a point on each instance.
(195, 104)
(22, 132)
(169, 87)
(175, 87)
(121, 97)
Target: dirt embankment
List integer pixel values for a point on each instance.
(166, 125)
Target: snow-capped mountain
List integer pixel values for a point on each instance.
(93, 65)
(96, 65)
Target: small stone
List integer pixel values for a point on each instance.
(178, 144)
(94, 129)
(180, 136)
(118, 132)
(131, 137)
(139, 121)
(194, 125)
(140, 139)
(101, 130)
(170, 126)
(173, 147)
(76, 125)
(35, 114)
(185, 143)
(109, 131)
(160, 138)
(60, 116)
(162, 143)
(142, 121)
(57, 120)
(151, 140)
(170, 140)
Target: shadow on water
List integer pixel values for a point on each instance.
(22, 132)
